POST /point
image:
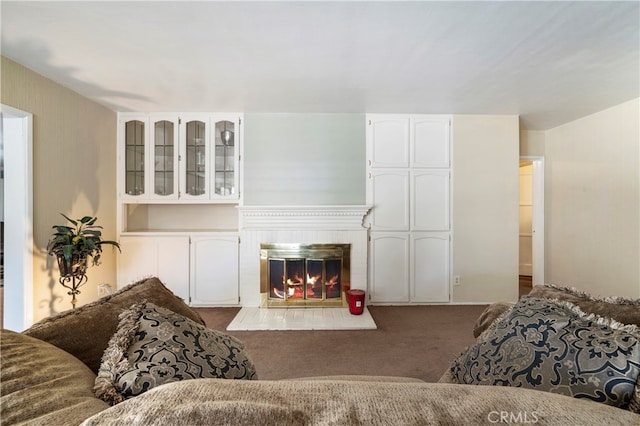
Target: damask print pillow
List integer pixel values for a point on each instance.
(553, 346)
(154, 346)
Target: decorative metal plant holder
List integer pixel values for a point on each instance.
(72, 275)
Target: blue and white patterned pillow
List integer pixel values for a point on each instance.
(553, 346)
(154, 346)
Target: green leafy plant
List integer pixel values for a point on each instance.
(78, 242)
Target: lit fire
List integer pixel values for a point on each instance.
(295, 287)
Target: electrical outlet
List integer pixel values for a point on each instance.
(104, 290)
(456, 280)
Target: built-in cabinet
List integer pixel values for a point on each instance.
(201, 268)
(409, 187)
(172, 157)
(174, 169)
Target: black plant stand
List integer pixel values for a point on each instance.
(73, 283)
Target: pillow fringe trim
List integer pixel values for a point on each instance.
(114, 359)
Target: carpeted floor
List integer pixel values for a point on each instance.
(411, 341)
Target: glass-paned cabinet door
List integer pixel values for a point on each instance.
(164, 140)
(195, 158)
(225, 163)
(134, 142)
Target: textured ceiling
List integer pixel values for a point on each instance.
(549, 62)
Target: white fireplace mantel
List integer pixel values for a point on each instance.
(299, 224)
(340, 217)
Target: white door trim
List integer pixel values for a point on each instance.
(17, 134)
(537, 239)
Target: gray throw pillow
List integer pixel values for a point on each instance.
(154, 346)
(553, 346)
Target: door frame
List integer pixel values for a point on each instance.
(537, 219)
(17, 134)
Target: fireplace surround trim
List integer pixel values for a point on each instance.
(340, 217)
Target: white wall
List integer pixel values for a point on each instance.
(304, 159)
(485, 207)
(593, 202)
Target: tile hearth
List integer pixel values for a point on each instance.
(251, 318)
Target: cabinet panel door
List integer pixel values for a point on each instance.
(137, 260)
(165, 257)
(430, 267)
(164, 157)
(430, 201)
(225, 156)
(430, 142)
(133, 157)
(214, 273)
(172, 257)
(389, 196)
(388, 143)
(389, 267)
(195, 157)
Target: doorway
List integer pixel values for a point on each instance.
(17, 211)
(531, 234)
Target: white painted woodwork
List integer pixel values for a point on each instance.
(123, 119)
(430, 200)
(430, 267)
(430, 142)
(154, 161)
(214, 270)
(163, 256)
(389, 194)
(389, 263)
(389, 141)
(180, 158)
(299, 224)
(206, 173)
(17, 300)
(410, 244)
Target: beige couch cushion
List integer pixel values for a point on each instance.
(85, 332)
(42, 384)
(262, 402)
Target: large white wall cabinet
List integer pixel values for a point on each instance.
(179, 158)
(178, 179)
(409, 187)
(201, 268)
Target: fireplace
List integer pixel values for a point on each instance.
(301, 275)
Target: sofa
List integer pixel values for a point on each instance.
(114, 362)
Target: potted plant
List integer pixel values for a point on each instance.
(74, 244)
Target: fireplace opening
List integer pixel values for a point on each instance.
(298, 275)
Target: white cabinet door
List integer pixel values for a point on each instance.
(195, 157)
(133, 157)
(164, 156)
(389, 267)
(388, 193)
(225, 154)
(214, 270)
(430, 145)
(165, 257)
(430, 266)
(430, 200)
(388, 142)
